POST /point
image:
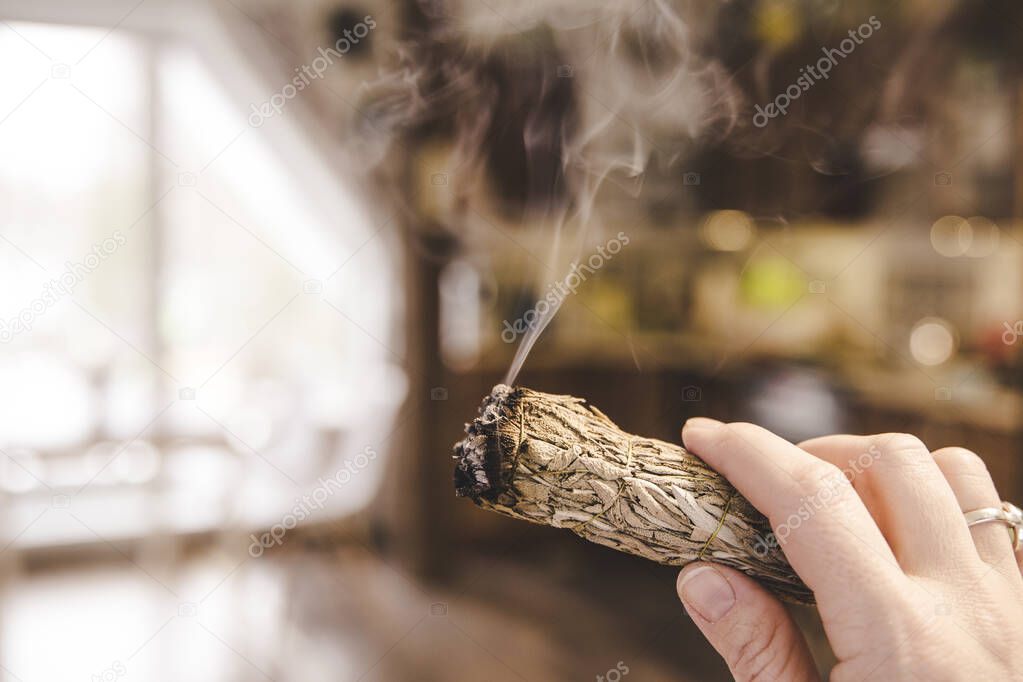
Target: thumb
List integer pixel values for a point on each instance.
(749, 628)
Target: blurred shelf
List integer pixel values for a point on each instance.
(959, 393)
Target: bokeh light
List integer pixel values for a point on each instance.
(728, 230)
(932, 341)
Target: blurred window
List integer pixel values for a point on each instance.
(186, 342)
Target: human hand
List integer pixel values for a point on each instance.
(874, 525)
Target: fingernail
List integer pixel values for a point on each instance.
(701, 424)
(706, 591)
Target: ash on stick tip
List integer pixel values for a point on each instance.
(477, 456)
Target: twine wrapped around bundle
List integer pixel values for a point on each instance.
(558, 461)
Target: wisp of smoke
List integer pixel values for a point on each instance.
(551, 101)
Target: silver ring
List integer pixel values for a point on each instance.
(1008, 513)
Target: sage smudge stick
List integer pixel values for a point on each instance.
(559, 461)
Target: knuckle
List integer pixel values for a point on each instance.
(961, 459)
(817, 474)
(758, 656)
(901, 445)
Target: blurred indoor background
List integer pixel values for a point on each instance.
(258, 259)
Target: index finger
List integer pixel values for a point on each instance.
(824, 529)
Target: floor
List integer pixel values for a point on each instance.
(336, 614)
